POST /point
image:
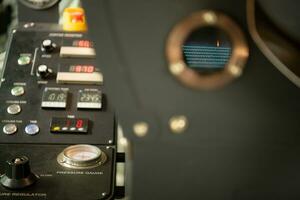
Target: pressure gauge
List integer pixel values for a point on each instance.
(39, 4)
(81, 157)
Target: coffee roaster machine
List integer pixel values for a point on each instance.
(206, 92)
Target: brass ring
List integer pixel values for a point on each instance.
(193, 79)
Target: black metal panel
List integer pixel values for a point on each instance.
(100, 131)
(55, 181)
(242, 141)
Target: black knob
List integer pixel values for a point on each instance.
(48, 46)
(18, 174)
(43, 71)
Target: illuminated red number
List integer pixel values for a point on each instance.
(80, 43)
(83, 43)
(90, 69)
(86, 43)
(78, 69)
(79, 123)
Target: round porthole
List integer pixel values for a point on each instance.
(207, 50)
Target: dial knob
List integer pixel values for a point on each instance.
(48, 46)
(43, 71)
(18, 174)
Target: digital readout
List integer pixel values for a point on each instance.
(68, 125)
(55, 98)
(82, 68)
(89, 99)
(83, 43)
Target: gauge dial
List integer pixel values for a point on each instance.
(81, 157)
(82, 154)
(39, 4)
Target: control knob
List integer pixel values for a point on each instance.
(18, 174)
(48, 46)
(43, 71)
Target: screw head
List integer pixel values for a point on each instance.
(235, 70)
(177, 68)
(141, 129)
(210, 17)
(178, 124)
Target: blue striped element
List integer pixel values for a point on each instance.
(206, 57)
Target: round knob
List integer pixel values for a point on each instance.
(18, 174)
(43, 71)
(48, 46)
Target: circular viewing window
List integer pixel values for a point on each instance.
(206, 50)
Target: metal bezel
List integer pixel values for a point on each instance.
(31, 4)
(68, 162)
(193, 79)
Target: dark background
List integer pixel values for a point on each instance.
(243, 140)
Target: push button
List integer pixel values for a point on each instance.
(24, 60)
(32, 129)
(10, 129)
(17, 91)
(14, 109)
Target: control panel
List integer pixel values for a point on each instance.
(57, 131)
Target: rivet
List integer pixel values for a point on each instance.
(177, 68)
(235, 70)
(178, 124)
(141, 129)
(210, 17)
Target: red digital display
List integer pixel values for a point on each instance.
(67, 125)
(82, 69)
(83, 43)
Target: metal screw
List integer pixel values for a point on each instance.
(210, 17)
(177, 68)
(104, 194)
(235, 70)
(178, 124)
(141, 129)
(110, 141)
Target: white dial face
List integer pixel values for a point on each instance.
(83, 155)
